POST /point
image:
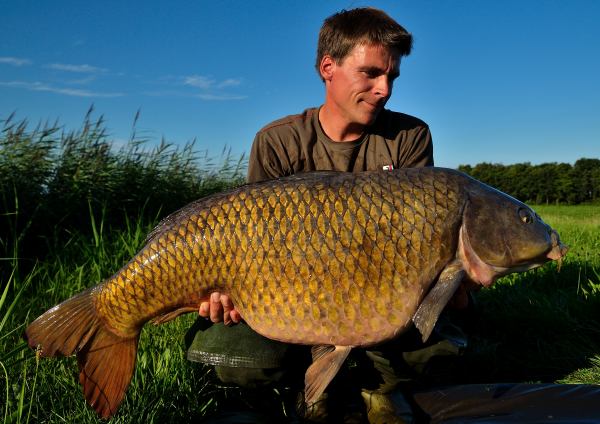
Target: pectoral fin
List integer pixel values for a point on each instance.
(327, 361)
(438, 297)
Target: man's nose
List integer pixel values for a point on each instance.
(383, 86)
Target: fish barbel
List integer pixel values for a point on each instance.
(329, 259)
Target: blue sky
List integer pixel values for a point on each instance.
(497, 81)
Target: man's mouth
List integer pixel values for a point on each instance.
(374, 106)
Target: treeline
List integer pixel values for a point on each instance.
(55, 183)
(545, 183)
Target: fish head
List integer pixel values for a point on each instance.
(501, 235)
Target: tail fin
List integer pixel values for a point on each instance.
(106, 360)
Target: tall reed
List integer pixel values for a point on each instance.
(50, 176)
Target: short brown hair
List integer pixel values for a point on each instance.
(346, 29)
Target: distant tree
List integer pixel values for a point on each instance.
(563, 184)
(586, 175)
(517, 181)
(543, 177)
(467, 169)
(544, 183)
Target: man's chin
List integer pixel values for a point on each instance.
(367, 119)
(370, 119)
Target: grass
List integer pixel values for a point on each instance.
(48, 176)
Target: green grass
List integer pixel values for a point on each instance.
(49, 176)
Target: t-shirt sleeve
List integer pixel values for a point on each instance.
(419, 152)
(264, 162)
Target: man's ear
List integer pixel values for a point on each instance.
(326, 67)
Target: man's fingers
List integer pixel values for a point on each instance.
(227, 307)
(204, 310)
(227, 303)
(231, 315)
(235, 316)
(216, 309)
(219, 308)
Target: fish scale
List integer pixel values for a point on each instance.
(306, 268)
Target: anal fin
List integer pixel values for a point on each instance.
(327, 361)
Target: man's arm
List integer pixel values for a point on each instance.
(266, 159)
(419, 153)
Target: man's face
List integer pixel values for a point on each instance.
(359, 87)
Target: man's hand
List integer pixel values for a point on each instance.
(220, 308)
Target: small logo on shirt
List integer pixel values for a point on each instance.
(388, 167)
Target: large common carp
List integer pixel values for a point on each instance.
(334, 260)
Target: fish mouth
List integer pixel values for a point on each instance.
(555, 252)
(558, 250)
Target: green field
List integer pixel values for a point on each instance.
(542, 326)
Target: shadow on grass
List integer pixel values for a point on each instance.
(536, 327)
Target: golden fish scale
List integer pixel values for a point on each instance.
(324, 258)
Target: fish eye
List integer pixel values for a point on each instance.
(526, 216)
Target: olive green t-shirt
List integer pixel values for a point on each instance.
(297, 143)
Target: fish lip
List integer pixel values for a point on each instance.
(557, 252)
(558, 249)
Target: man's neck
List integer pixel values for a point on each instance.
(337, 128)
